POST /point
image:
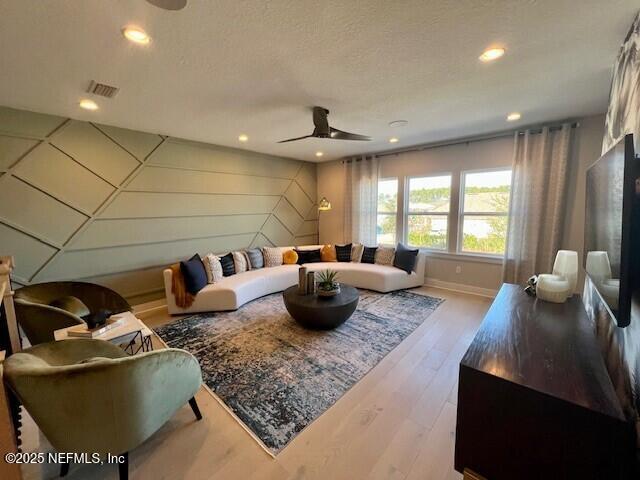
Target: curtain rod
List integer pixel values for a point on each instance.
(534, 129)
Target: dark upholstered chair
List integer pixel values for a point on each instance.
(39, 319)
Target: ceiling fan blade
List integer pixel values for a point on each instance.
(340, 135)
(169, 4)
(294, 139)
(320, 121)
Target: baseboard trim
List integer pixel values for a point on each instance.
(148, 309)
(460, 287)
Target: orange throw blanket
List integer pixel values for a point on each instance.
(183, 298)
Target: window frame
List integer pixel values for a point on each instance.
(462, 214)
(407, 213)
(394, 214)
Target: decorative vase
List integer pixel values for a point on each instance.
(311, 283)
(302, 280)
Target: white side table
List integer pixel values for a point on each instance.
(132, 333)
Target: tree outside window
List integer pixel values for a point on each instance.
(428, 211)
(484, 211)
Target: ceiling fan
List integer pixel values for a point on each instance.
(169, 4)
(323, 130)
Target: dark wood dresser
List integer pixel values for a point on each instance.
(535, 400)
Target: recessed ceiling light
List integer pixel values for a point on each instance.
(319, 154)
(398, 123)
(88, 104)
(394, 140)
(136, 35)
(243, 138)
(512, 117)
(491, 54)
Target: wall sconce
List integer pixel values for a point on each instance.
(324, 205)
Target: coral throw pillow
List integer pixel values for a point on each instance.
(328, 253)
(290, 257)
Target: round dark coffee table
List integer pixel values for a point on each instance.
(321, 313)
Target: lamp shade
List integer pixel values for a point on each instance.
(324, 204)
(598, 266)
(566, 265)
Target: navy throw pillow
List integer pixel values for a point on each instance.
(308, 256)
(343, 253)
(195, 276)
(368, 255)
(405, 258)
(255, 258)
(228, 267)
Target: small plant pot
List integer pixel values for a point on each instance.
(328, 293)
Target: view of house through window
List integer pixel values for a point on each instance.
(428, 211)
(483, 215)
(387, 211)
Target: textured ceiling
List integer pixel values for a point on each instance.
(218, 69)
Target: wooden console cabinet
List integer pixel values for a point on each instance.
(535, 400)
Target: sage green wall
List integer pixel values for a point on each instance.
(80, 200)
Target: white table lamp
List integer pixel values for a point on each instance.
(566, 265)
(598, 266)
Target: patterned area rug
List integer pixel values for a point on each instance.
(276, 376)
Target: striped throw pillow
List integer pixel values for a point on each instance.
(239, 262)
(228, 267)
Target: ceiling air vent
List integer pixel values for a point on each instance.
(102, 89)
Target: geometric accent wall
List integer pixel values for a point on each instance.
(87, 201)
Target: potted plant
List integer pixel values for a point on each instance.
(327, 285)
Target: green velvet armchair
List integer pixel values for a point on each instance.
(38, 318)
(88, 396)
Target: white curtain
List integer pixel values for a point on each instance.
(361, 199)
(538, 202)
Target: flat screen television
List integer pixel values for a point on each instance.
(612, 227)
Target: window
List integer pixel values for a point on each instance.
(428, 211)
(483, 212)
(387, 211)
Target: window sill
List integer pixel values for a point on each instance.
(463, 257)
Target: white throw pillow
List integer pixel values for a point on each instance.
(384, 255)
(356, 252)
(239, 262)
(213, 267)
(272, 256)
(247, 259)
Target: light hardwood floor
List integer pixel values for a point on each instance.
(397, 423)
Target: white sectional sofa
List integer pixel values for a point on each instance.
(234, 291)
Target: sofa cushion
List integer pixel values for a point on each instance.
(384, 256)
(255, 258)
(308, 256)
(228, 267)
(328, 254)
(343, 252)
(272, 256)
(381, 278)
(368, 255)
(290, 257)
(195, 276)
(405, 258)
(213, 267)
(239, 262)
(356, 252)
(72, 305)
